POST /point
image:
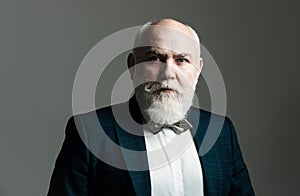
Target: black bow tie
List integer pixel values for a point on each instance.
(177, 127)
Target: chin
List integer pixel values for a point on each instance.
(168, 107)
(163, 106)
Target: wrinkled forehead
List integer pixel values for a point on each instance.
(168, 38)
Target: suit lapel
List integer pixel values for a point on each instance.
(135, 156)
(210, 162)
(198, 131)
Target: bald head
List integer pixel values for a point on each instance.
(171, 23)
(170, 34)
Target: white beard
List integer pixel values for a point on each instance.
(163, 107)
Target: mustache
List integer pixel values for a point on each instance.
(157, 87)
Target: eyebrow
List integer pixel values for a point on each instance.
(155, 52)
(183, 55)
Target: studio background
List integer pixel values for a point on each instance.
(255, 44)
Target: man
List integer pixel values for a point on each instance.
(157, 131)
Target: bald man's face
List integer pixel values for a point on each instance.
(167, 64)
(167, 54)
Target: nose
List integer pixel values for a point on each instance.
(167, 70)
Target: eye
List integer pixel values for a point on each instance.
(182, 60)
(153, 58)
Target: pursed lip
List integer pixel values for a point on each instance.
(167, 90)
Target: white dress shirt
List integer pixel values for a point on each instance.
(174, 163)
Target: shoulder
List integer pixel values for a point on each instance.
(214, 131)
(87, 123)
(209, 119)
(104, 115)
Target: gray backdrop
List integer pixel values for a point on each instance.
(255, 44)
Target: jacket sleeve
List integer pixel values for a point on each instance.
(240, 181)
(70, 175)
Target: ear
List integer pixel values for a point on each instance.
(130, 63)
(200, 67)
(198, 72)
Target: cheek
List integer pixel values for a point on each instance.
(188, 79)
(152, 71)
(146, 72)
(194, 79)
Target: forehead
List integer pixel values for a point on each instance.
(156, 36)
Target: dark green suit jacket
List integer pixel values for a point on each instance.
(83, 165)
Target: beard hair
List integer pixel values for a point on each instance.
(163, 107)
